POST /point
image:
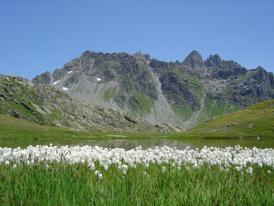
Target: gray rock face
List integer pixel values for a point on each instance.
(223, 69)
(175, 93)
(257, 86)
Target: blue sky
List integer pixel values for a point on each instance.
(39, 35)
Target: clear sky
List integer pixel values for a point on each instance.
(42, 35)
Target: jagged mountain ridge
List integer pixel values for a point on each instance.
(50, 106)
(177, 93)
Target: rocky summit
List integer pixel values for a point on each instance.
(181, 93)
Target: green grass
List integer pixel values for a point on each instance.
(23, 132)
(140, 104)
(110, 93)
(62, 184)
(214, 108)
(183, 110)
(254, 121)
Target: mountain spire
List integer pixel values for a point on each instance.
(194, 60)
(213, 60)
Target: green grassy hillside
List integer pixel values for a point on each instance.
(254, 121)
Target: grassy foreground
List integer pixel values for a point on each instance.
(63, 184)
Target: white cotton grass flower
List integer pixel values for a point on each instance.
(269, 171)
(124, 167)
(100, 176)
(226, 158)
(163, 169)
(238, 168)
(145, 173)
(96, 172)
(91, 166)
(249, 170)
(226, 169)
(105, 167)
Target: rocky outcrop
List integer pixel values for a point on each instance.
(256, 85)
(45, 78)
(223, 69)
(213, 61)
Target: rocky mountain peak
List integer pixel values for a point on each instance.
(259, 68)
(260, 74)
(194, 60)
(161, 92)
(44, 78)
(195, 53)
(213, 61)
(86, 53)
(140, 55)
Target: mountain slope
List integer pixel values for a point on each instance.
(182, 94)
(47, 105)
(254, 121)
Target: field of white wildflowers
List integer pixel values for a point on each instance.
(91, 175)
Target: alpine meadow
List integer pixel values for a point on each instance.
(136, 102)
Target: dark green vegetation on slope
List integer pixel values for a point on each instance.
(62, 184)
